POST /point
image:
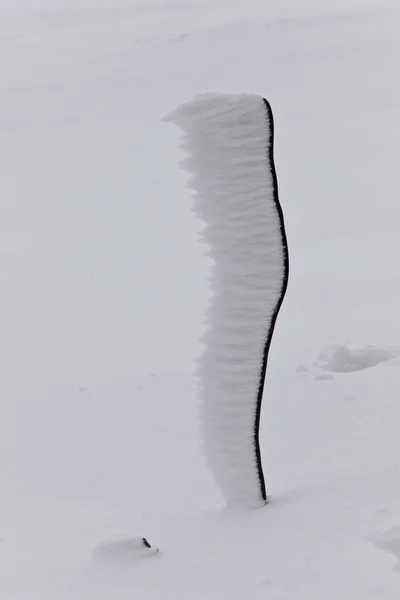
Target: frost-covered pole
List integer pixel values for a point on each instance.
(229, 143)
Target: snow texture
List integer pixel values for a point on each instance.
(229, 139)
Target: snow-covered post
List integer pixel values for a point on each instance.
(229, 143)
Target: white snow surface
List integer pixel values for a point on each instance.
(104, 287)
(227, 139)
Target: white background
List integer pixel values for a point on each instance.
(103, 291)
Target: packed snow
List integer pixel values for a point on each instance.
(104, 291)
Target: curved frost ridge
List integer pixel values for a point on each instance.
(229, 144)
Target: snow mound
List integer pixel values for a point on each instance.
(342, 359)
(389, 541)
(129, 548)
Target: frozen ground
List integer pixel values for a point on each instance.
(103, 291)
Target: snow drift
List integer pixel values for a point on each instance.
(229, 142)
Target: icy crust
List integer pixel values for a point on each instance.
(227, 140)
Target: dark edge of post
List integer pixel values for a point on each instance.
(270, 156)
